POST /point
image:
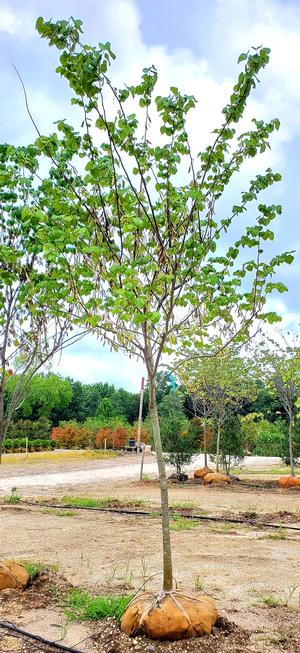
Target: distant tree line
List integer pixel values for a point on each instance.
(77, 414)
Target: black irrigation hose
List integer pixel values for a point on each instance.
(62, 647)
(147, 513)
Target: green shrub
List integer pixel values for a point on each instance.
(19, 445)
(271, 438)
(26, 428)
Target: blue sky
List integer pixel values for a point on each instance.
(194, 45)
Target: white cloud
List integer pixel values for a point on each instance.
(8, 21)
(89, 362)
(20, 22)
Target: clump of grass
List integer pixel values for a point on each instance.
(14, 497)
(281, 637)
(198, 583)
(35, 568)
(102, 502)
(183, 505)
(58, 512)
(179, 523)
(83, 607)
(154, 514)
(222, 528)
(280, 534)
(89, 502)
(271, 600)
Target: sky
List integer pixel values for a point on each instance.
(195, 46)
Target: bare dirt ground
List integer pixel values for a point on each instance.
(239, 565)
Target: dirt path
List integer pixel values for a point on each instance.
(43, 475)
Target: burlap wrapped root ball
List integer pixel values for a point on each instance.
(289, 481)
(169, 615)
(214, 478)
(201, 472)
(13, 575)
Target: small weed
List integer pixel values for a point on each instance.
(35, 568)
(289, 599)
(183, 505)
(154, 514)
(83, 607)
(14, 497)
(281, 637)
(198, 583)
(280, 534)
(58, 512)
(271, 600)
(110, 576)
(221, 528)
(179, 523)
(144, 570)
(128, 577)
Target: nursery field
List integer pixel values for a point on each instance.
(251, 569)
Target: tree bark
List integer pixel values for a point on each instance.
(167, 554)
(218, 447)
(205, 444)
(291, 433)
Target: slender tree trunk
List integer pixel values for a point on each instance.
(218, 446)
(2, 430)
(205, 444)
(291, 433)
(167, 554)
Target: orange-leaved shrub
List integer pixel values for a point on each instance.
(116, 437)
(71, 436)
(145, 435)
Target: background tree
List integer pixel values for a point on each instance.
(220, 385)
(105, 409)
(32, 330)
(45, 394)
(232, 443)
(138, 250)
(279, 363)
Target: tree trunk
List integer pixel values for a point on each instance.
(218, 447)
(167, 554)
(2, 424)
(205, 444)
(291, 433)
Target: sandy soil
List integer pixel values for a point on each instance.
(44, 475)
(238, 565)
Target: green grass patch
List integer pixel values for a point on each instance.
(284, 471)
(83, 607)
(154, 514)
(271, 601)
(58, 512)
(179, 523)
(35, 568)
(13, 498)
(183, 505)
(102, 502)
(278, 535)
